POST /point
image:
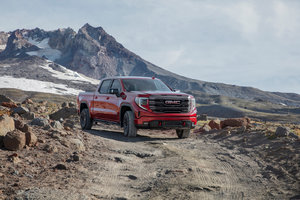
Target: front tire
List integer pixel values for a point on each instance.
(86, 122)
(183, 133)
(128, 122)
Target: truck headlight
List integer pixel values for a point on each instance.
(192, 102)
(142, 102)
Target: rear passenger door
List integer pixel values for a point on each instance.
(101, 108)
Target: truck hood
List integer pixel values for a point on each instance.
(160, 93)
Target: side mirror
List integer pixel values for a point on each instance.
(175, 90)
(114, 91)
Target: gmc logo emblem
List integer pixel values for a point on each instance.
(172, 102)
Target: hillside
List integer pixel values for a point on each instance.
(96, 54)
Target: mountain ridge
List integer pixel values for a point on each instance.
(94, 53)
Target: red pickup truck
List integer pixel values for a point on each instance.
(138, 102)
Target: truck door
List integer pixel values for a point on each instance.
(114, 101)
(101, 109)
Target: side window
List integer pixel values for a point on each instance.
(104, 87)
(116, 85)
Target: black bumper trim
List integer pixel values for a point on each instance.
(167, 124)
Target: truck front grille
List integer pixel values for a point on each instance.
(169, 104)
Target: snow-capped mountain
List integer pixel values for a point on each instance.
(40, 75)
(96, 54)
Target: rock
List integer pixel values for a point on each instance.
(77, 145)
(63, 113)
(214, 124)
(206, 128)
(72, 104)
(39, 122)
(50, 148)
(20, 110)
(27, 101)
(293, 135)
(56, 125)
(28, 116)
(202, 117)
(31, 139)
(60, 167)
(5, 99)
(75, 157)
(14, 140)
(235, 122)
(65, 104)
(47, 127)
(26, 128)
(1, 141)
(41, 141)
(7, 124)
(282, 131)
(9, 104)
(18, 124)
(69, 123)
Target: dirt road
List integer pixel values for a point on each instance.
(155, 165)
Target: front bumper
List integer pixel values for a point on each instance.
(166, 123)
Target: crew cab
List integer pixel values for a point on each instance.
(137, 103)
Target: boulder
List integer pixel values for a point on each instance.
(27, 101)
(18, 124)
(31, 139)
(20, 110)
(56, 125)
(7, 124)
(65, 104)
(77, 145)
(214, 124)
(26, 128)
(72, 104)
(63, 113)
(206, 128)
(14, 140)
(282, 131)
(203, 129)
(9, 104)
(293, 135)
(235, 122)
(39, 122)
(28, 116)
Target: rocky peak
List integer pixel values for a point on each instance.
(17, 45)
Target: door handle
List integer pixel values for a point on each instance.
(107, 98)
(96, 97)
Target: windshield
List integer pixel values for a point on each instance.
(144, 85)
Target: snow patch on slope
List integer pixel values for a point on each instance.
(45, 50)
(68, 74)
(36, 86)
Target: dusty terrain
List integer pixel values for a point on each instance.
(68, 163)
(155, 165)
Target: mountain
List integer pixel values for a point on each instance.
(96, 54)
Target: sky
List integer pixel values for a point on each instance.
(248, 43)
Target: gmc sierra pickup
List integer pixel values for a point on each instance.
(138, 102)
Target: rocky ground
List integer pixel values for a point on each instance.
(51, 158)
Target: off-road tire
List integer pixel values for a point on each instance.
(86, 122)
(128, 122)
(183, 133)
